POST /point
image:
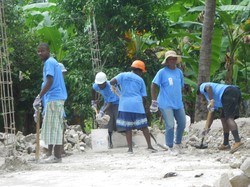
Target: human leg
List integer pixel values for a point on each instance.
(56, 126)
(180, 118)
(225, 131)
(58, 151)
(147, 137)
(50, 149)
(231, 102)
(234, 129)
(129, 140)
(168, 117)
(112, 111)
(110, 140)
(225, 145)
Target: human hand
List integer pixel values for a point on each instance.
(35, 116)
(93, 104)
(154, 106)
(37, 102)
(210, 105)
(101, 113)
(205, 131)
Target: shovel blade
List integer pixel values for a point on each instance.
(201, 146)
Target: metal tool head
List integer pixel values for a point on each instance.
(201, 146)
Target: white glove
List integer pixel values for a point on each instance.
(154, 106)
(35, 116)
(37, 102)
(93, 104)
(101, 113)
(210, 105)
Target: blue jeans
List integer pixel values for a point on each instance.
(169, 115)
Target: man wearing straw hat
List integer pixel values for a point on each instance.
(170, 81)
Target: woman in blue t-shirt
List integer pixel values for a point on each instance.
(131, 112)
(170, 81)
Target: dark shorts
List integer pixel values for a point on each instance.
(112, 112)
(231, 99)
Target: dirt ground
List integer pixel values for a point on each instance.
(115, 167)
(118, 168)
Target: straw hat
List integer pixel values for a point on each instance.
(171, 54)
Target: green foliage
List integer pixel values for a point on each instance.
(88, 126)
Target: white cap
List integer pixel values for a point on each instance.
(100, 78)
(62, 67)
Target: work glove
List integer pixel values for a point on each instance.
(154, 106)
(93, 104)
(210, 105)
(101, 113)
(37, 102)
(35, 115)
(205, 131)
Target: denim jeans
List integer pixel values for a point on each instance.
(169, 115)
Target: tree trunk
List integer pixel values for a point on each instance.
(205, 55)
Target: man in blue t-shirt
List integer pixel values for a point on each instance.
(227, 98)
(111, 101)
(56, 94)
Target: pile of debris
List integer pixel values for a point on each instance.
(74, 140)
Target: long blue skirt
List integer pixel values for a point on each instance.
(128, 121)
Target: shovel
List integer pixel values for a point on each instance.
(160, 145)
(209, 118)
(38, 134)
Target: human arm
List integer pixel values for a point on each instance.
(45, 89)
(48, 84)
(93, 101)
(209, 90)
(113, 82)
(106, 107)
(154, 103)
(153, 91)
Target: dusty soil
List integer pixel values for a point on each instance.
(115, 167)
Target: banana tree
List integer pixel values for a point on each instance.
(38, 19)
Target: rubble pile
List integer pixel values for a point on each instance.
(74, 140)
(240, 160)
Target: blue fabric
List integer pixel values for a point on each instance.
(57, 90)
(127, 121)
(170, 83)
(169, 115)
(108, 95)
(218, 90)
(133, 89)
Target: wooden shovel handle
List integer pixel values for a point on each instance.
(38, 135)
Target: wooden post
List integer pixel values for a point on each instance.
(38, 135)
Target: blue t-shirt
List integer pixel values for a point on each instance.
(108, 95)
(218, 90)
(57, 90)
(133, 89)
(171, 83)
